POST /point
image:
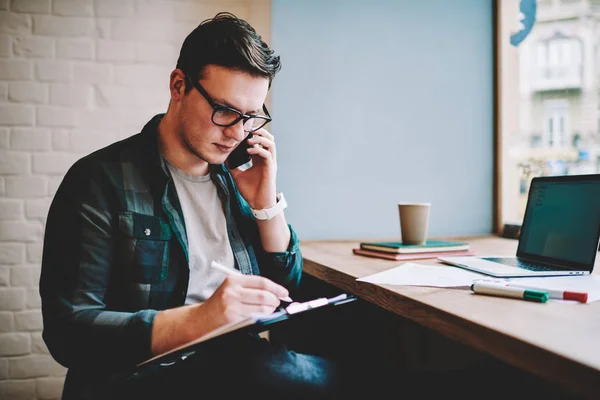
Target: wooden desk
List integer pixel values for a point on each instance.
(556, 341)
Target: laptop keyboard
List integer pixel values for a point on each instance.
(515, 262)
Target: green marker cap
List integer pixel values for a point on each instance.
(535, 295)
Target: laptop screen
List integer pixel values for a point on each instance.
(562, 221)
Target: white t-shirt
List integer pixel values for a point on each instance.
(206, 229)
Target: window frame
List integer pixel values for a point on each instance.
(497, 220)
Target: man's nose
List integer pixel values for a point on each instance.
(236, 131)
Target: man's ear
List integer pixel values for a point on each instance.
(177, 84)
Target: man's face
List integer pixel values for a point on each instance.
(226, 87)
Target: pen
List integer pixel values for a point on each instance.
(581, 297)
(501, 289)
(230, 271)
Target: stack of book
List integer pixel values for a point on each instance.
(398, 251)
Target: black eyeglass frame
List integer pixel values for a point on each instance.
(218, 107)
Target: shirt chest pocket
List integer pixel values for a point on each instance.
(144, 247)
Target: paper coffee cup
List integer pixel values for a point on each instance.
(414, 222)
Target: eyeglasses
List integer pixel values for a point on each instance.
(227, 116)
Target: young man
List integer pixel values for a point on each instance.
(134, 227)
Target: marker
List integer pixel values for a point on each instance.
(230, 271)
(581, 297)
(501, 289)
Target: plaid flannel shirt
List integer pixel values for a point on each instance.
(115, 252)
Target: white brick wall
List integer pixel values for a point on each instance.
(75, 75)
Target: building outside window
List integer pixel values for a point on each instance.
(549, 97)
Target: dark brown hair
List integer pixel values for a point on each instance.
(227, 41)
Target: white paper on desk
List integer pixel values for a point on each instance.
(589, 284)
(411, 274)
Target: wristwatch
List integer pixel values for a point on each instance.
(268, 213)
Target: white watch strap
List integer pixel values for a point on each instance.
(268, 213)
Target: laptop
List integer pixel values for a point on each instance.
(559, 235)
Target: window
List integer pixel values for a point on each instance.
(549, 97)
(555, 116)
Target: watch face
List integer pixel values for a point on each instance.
(269, 213)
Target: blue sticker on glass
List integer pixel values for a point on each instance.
(528, 9)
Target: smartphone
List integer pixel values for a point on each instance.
(239, 156)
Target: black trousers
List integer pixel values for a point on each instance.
(242, 365)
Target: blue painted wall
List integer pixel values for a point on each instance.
(380, 102)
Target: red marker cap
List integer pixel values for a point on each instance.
(581, 297)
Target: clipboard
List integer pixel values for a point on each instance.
(255, 324)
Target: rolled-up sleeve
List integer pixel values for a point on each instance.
(285, 267)
(77, 267)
